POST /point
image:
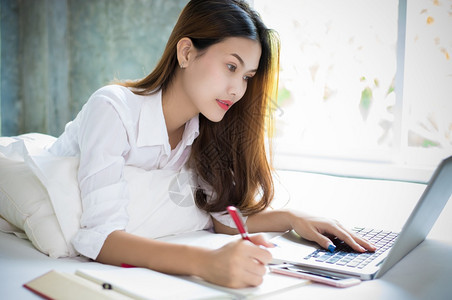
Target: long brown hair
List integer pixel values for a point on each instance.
(229, 155)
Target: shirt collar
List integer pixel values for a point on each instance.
(152, 127)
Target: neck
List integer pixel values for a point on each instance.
(177, 109)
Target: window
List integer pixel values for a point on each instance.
(353, 89)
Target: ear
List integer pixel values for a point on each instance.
(185, 51)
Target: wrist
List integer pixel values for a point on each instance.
(198, 261)
(290, 217)
(294, 218)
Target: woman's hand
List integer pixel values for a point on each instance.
(320, 229)
(238, 264)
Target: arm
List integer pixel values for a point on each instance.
(309, 227)
(236, 265)
(122, 247)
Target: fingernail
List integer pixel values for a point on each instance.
(275, 245)
(331, 248)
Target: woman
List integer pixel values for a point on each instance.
(205, 105)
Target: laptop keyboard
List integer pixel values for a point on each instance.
(346, 256)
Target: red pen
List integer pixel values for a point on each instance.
(237, 218)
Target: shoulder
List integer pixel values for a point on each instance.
(114, 92)
(118, 97)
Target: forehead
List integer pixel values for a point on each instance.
(249, 50)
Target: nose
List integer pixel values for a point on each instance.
(237, 89)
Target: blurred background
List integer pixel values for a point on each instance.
(56, 53)
(365, 85)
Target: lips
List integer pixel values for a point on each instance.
(224, 104)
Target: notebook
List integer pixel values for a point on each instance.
(391, 246)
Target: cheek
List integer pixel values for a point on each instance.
(244, 88)
(207, 83)
(212, 76)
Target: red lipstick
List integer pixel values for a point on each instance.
(224, 104)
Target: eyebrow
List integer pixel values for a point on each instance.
(241, 61)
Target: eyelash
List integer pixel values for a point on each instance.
(232, 68)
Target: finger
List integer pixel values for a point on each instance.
(252, 279)
(259, 253)
(255, 280)
(323, 241)
(349, 238)
(263, 256)
(360, 240)
(336, 230)
(364, 243)
(260, 240)
(254, 263)
(255, 267)
(243, 278)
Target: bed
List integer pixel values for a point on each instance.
(352, 201)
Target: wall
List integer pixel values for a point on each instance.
(55, 53)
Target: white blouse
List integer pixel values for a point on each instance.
(116, 128)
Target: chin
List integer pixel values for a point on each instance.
(214, 117)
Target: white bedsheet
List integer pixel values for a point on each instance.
(20, 262)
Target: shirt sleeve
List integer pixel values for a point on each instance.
(103, 144)
(225, 219)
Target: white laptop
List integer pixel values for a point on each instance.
(391, 247)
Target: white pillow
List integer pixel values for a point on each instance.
(24, 203)
(41, 196)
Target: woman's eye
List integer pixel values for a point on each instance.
(231, 68)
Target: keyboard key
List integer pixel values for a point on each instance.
(353, 264)
(333, 260)
(323, 258)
